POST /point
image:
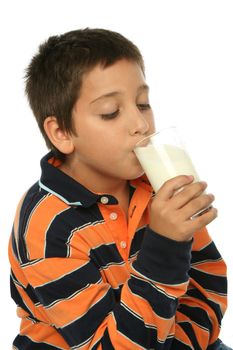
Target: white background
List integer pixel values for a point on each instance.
(188, 51)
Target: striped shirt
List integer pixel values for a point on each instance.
(84, 277)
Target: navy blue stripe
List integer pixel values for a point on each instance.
(196, 314)
(106, 342)
(31, 293)
(117, 293)
(214, 306)
(137, 241)
(19, 301)
(67, 285)
(105, 254)
(32, 197)
(62, 226)
(162, 305)
(209, 252)
(58, 233)
(215, 283)
(178, 345)
(82, 329)
(134, 328)
(28, 290)
(24, 343)
(188, 329)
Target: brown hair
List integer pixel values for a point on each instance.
(54, 75)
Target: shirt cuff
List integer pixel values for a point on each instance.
(164, 260)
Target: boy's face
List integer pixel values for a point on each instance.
(111, 115)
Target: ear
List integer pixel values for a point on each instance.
(61, 139)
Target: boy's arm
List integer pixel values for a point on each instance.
(201, 310)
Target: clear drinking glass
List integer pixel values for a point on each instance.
(163, 156)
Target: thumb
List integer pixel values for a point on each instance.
(169, 188)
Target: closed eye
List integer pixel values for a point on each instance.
(110, 115)
(144, 106)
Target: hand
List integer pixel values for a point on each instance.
(171, 209)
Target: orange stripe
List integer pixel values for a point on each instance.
(41, 332)
(50, 269)
(66, 311)
(201, 239)
(115, 275)
(220, 299)
(41, 218)
(165, 327)
(212, 267)
(88, 237)
(38, 312)
(141, 198)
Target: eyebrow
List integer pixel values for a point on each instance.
(115, 93)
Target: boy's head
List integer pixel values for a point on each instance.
(55, 75)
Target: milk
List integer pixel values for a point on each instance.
(163, 161)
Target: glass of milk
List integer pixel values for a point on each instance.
(163, 156)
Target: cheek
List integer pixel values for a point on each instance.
(110, 141)
(102, 142)
(102, 148)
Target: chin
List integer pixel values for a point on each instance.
(136, 174)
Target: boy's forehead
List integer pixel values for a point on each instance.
(143, 87)
(107, 81)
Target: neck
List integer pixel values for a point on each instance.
(97, 182)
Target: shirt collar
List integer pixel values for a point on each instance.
(55, 181)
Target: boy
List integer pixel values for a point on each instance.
(98, 262)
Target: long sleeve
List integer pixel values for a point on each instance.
(201, 309)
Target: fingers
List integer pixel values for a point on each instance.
(196, 205)
(188, 193)
(171, 186)
(175, 215)
(201, 221)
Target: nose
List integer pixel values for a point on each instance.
(139, 124)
